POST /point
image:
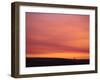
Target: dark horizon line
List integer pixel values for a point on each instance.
(54, 58)
(34, 62)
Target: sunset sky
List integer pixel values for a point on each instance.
(51, 35)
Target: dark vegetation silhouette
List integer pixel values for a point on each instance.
(37, 62)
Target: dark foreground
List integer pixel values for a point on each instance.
(36, 62)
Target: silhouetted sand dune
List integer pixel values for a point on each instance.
(33, 62)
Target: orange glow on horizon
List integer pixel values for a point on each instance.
(65, 55)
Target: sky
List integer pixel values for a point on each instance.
(57, 35)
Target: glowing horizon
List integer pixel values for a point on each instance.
(65, 55)
(52, 35)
